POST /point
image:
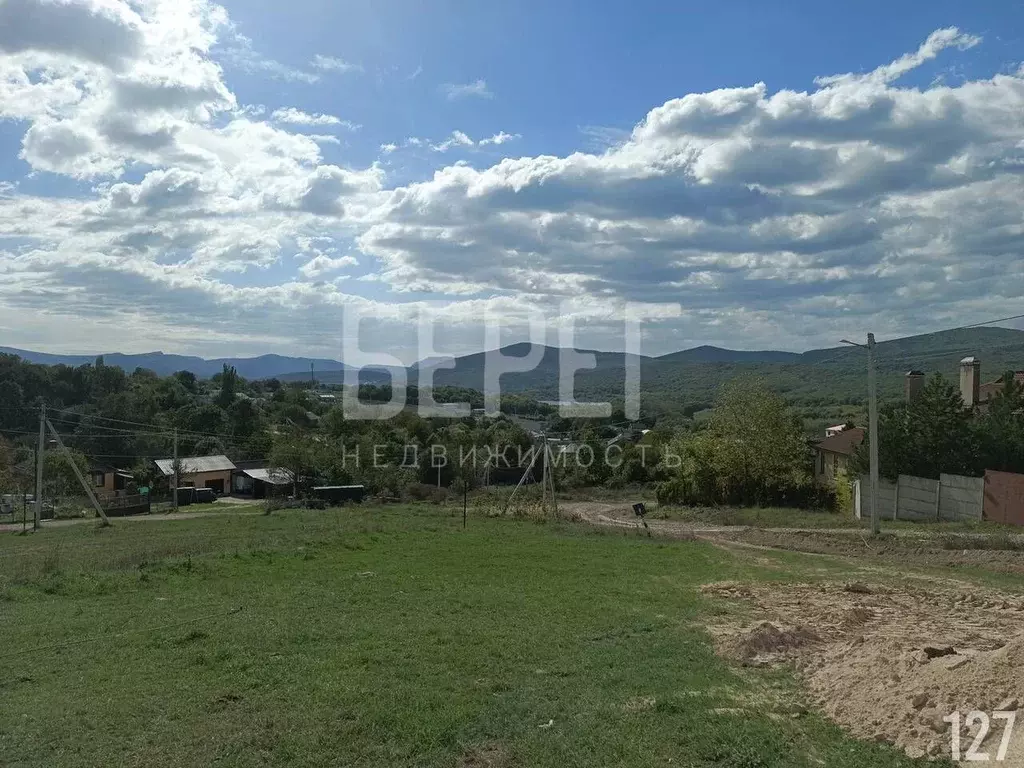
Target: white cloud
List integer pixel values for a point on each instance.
(456, 139)
(107, 33)
(323, 264)
(294, 116)
(476, 89)
(238, 52)
(334, 64)
(831, 203)
(500, 138)
(775, 217)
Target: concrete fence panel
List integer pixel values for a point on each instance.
(961, 498)
(918, 498)
(886, 497)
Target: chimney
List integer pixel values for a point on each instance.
(970, 381)
(913, 384)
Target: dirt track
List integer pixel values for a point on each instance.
(865, 651)
(922, 549)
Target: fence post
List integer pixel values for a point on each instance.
(938, 497)
(896, 499)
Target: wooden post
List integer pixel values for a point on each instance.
(896, 499)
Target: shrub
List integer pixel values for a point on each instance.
(427, 492)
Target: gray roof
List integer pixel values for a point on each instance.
(191, 465)
(274, 476)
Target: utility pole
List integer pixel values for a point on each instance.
(78, 473)
(174, 466)
(40, 455)
(873, 433)
(872, 430)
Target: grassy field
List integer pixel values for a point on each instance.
(385, 637)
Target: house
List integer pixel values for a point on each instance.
(256, 480)
(973, 393)
(106, 479)
(832, 455)
(212, 472)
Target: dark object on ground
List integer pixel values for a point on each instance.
(188, 496)
(338, 493)
(934, 653)
(639, 509)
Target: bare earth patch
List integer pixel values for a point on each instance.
(889, 663)
(487, 756)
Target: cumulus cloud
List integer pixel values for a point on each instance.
(107, 33)
(774, 217)
(323, 264)
(476, 89)
(830, 203)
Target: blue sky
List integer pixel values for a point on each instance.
(248, 177)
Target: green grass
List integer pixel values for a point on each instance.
(383, 637)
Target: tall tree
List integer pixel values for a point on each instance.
(228, 387)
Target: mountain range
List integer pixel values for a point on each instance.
(262, 367)
(819, 380)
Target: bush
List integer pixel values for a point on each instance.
(672, 493)
(844, 495)
(427, 492)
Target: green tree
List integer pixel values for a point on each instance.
(752, 451)
(931, 435)
(1001, 429)
(228, 387)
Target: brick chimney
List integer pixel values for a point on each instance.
(970, 381)
(913, 384)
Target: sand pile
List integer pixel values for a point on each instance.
(890, 664)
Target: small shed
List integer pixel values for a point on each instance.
(261, 482)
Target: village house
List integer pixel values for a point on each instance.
(106, 479)
(833, 454)
(213, 472)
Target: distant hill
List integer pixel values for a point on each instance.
(262, 367)
(708, 354)
(822, 383)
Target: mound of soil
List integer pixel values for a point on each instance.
(889, 664)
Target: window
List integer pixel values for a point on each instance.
(98, 479)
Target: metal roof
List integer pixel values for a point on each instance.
(274, 476)
(194, 464)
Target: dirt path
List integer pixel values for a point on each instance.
(898, 547)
